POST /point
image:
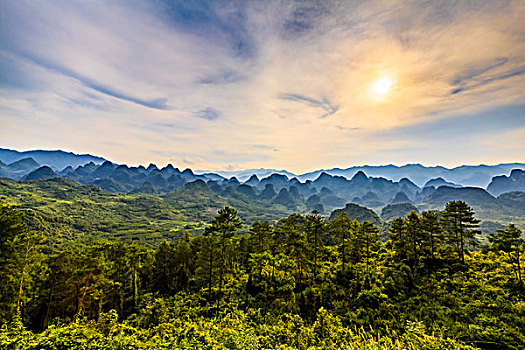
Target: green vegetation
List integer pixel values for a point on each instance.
(68, 213)
(303, 282)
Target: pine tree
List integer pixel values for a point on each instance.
(368, 235)
(398, 237)
(206, 262)
(415, 238)
(260, 234)
(290, 240)
(433, 231)
(224, 226)
(341, 226)
(164, 269)
(460, 227)
(20, 258)
(509, 241)
(315, 227)
(184, 263)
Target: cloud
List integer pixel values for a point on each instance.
(476, 77)
(323, 104)
(295, 75)
(208, 114)
(159, 103)
(228, 77)
(265, 147)
(303, 18)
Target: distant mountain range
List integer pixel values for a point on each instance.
(388, 190)
(465, 175)
(58, 160)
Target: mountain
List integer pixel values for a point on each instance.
(285, 193)
(465, 175)
(268, 192)
(44, 172)
(54, 159)
(508, 207)
(243, 175)
(24, 164)
(358, 213)
(284, 198)
(474, 196)
(392, 211)
(501, 184)
(400, 197)
(18, 169)
(417, 174)
(439, 181)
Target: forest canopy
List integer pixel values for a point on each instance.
(301, 282)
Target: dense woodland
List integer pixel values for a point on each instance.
(304, 281)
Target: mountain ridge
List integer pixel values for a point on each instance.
(356, 184)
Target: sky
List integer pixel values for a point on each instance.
(296, 85)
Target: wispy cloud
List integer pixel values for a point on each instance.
(228, 77)
(323, 104)
(208, 114)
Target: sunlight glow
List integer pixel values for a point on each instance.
(383, 86)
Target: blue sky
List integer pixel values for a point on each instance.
(229, 85)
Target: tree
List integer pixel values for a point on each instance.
(20, 257)
(224, 226)
(184, 262)
(433, 231)
(134, 261)
(205, 274)
(509, 241)
(398, 236)
(315, 227)
(289, 239)
(368, 239)
(460, 226)
(164, 269)
(341, 228)
(260, 234)
(415, 238)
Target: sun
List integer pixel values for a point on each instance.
(383, 86)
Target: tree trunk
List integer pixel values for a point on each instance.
(221, 272)
(432, 246)
(210, 275)
(367, 256)
(519, 266)
(315, 255)
(22, 279)
(81, 301)
(462, 242)
(49, 300)
(343, 252)
(135, 288)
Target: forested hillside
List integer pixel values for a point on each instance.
(110, 257)
(301, 282)
(69, 213)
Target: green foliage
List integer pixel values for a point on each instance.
(509, 241)
(20, 261)
(302, 283)
(460, 226)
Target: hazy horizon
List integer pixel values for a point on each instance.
(202, 171)
(298, 86)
